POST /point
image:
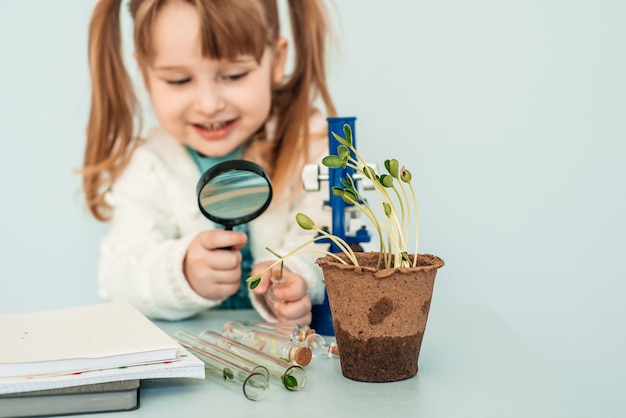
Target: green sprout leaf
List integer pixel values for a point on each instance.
(253, 278)
(227, 373)
(347, 133)
(350, 183)
(370, 173)
(253, 281)
(334, 161)
(336, 191)
(341, 140)
(350, 188)
(304, 221)
(349, 197)
(392, 167)
(387, 208)
(289, 381)
(345, 183)
(343, 152)
(386, 180)
(405, 175)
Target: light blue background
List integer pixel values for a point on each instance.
(511, 116)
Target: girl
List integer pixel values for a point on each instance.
(215, 74)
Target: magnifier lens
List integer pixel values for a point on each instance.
(234, 192)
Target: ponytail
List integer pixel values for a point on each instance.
(110, 130)
(293, 101)
(310, 28)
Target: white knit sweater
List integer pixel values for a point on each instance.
(155, 217)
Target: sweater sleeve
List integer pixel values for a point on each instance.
(142, 255)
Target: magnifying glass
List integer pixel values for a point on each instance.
(234, 192)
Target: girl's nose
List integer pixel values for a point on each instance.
(209, 99)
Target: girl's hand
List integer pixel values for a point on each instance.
(212, 264)
(287, 298)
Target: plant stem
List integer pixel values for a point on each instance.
(416, 223)
(393, 227)
(343, 245)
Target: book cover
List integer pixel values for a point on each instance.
(98, 397)
(92, 337)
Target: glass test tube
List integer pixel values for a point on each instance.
(228, 369)
(237, 330)
(277, 345)
(277, 282)
(294, 332)
(291, 376)
(320, 348)
(222, 353)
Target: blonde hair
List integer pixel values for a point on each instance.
(229, 28)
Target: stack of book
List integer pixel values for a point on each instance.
(84, 359)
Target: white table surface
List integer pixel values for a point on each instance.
(472, 364)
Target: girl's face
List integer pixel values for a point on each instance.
(212, 106)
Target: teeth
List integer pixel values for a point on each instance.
(214, 126)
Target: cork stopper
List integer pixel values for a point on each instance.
(304, 333)
(276, 277)
(302, 356)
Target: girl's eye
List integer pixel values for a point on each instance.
(178, 82)
(235, 77)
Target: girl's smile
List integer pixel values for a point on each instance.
(216, 130)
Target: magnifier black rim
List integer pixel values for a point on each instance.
(224, 167)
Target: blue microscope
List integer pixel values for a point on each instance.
(343, 214)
